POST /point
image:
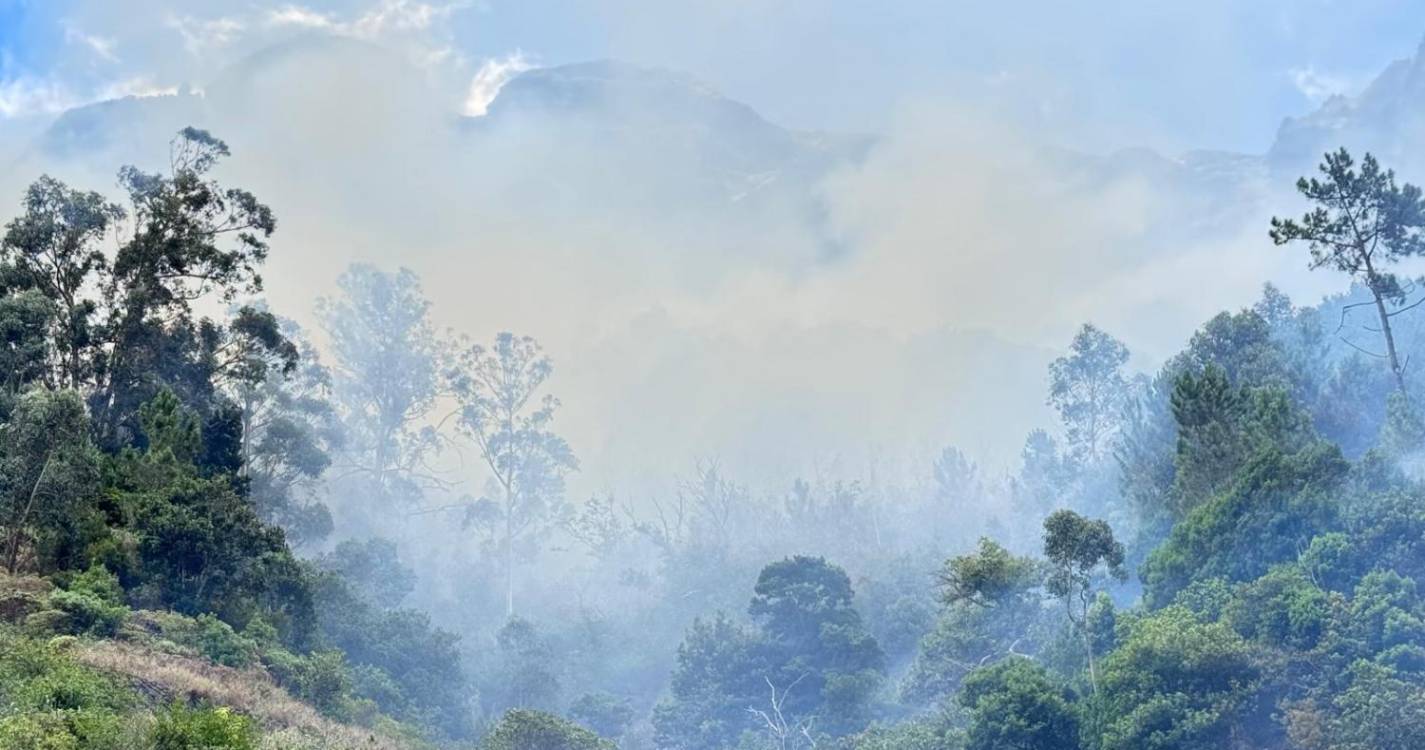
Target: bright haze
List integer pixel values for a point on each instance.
(791, 237)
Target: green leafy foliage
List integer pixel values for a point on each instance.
(93, 601)
(1016, 705)
(714, 683)
(48, 701)
(520, 729)
(1173, 682)
(184, 728)
(607, 714)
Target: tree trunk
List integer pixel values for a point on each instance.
(507, 484)
(1395, 367)
(1088, 648)
(12, 557)
(509, 564)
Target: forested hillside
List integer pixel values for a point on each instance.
(219, 531)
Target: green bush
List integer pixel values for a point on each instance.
(98, 582)
(524, 729)
(260, 632)
(184, 728)
(219, 642)
(66, 730)
(93, 602)
(36, 678)
(607, 714)
(87, 613)
(47, 622)
(375, 685)
(321, 679)
(932, 733)
(50, 702)
(36, 732)
(324, 682)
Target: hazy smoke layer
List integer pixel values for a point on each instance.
(709, 284)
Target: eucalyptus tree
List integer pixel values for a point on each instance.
(54, 248)
(1089, 389)
(49, 473)
(191, 239)
(1079, 550)
(386, 365)
(290, 428)
(503, 412)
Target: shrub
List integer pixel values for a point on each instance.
(50, 702)
(93, 602)
(609, 715)
(34, 677)
(184, 728)
(524, 729)
(87, 613)
(324, 682)
(374, 684)
(36, 732)
(66, 730)
(321, 679)
(218, 641)
(47, 622)
(98, 582)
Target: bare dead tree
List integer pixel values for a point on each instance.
(785, 733)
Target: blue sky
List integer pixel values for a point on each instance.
(1096, 75)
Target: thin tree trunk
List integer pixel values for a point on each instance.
(509, 562)
(14, 554)
(1395, 366)
(1088, 648)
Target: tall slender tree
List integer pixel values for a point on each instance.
(1078, 549)
(1088, 388)
(502, 411)
(53, 247)
(49, 471)
(1362, 224)
(386, 378)
(192, 238)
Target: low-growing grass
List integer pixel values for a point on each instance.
(68, 693)
(250, 691)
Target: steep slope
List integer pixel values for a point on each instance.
(112, 683)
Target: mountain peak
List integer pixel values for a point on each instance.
(1386, 118)
(614, 85)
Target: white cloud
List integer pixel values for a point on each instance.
(411, 27)
(401, 16)
(202, 35)
(103, 47)
(387, 17)
(295, 15)
(140, 87)
(1318, 86)
(490, 78)
(27, 95)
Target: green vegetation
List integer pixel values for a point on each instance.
(145, 452)
(1227, 554)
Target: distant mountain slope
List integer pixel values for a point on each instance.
(658, 109)
(1387, 118)
(632, 118)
